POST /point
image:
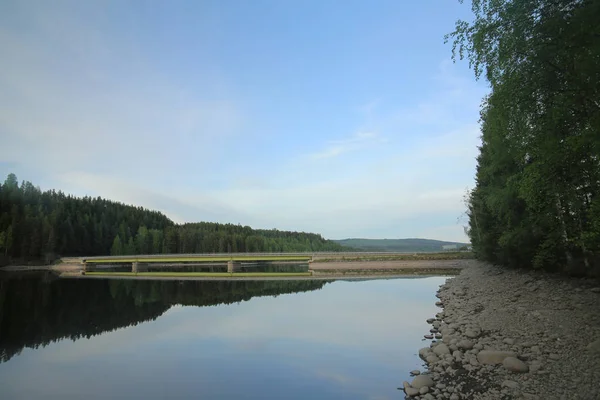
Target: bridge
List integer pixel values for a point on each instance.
(139, 263)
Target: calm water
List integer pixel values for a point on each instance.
(105, 339)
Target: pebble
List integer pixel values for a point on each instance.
(510, 384)
(422, 380)
(594, 346)
(411, 391)
(490, 318)
(441, 349)
(493, 357)
(465, 344)
(415, 372)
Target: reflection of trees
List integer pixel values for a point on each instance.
(36, 311)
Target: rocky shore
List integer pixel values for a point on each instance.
(507, 334)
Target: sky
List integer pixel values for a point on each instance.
(345, 118)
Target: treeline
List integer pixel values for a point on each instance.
(41, 225)
(536, 202)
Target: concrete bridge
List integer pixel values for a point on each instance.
(139, 263)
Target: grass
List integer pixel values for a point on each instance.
(202, 274)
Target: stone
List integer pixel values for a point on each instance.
(554, 357)
(428, 336)
(472, 333)
(465, 344)
(421, 380)
(513, 364)
(428, 396)
(509, 341)
(430, 320)
(594, 346)
(510, 384)
(441, 349)
(424, 390)
(415, 372)
(454, 397)
(493, 357)
(534, 368)
(595, 290)
(411, 391)
(424, 352)
(431, 359)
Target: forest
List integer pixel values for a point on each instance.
(536, 202)
(40, 225)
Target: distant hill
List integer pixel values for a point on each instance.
(398, 245)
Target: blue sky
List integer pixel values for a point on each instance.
(345, 118)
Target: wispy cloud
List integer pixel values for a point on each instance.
(358, 141)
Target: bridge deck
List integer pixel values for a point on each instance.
(162, 258)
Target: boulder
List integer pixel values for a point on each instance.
(411, 391)
(493, 357)
(513, 364)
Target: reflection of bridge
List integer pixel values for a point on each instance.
(139, 262)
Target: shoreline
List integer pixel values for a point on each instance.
(512, 334)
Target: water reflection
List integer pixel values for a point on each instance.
(37, 309)
(351, 340)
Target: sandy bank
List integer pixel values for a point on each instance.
(387, 265)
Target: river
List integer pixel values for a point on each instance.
(110, 338)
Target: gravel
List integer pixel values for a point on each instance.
(514, 334)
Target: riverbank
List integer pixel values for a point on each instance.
(509, 334)
(440, 267)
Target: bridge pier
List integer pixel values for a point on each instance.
(138, 267)
(233, 266)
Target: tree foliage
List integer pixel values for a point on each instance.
(536, 201)
(37, 225)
